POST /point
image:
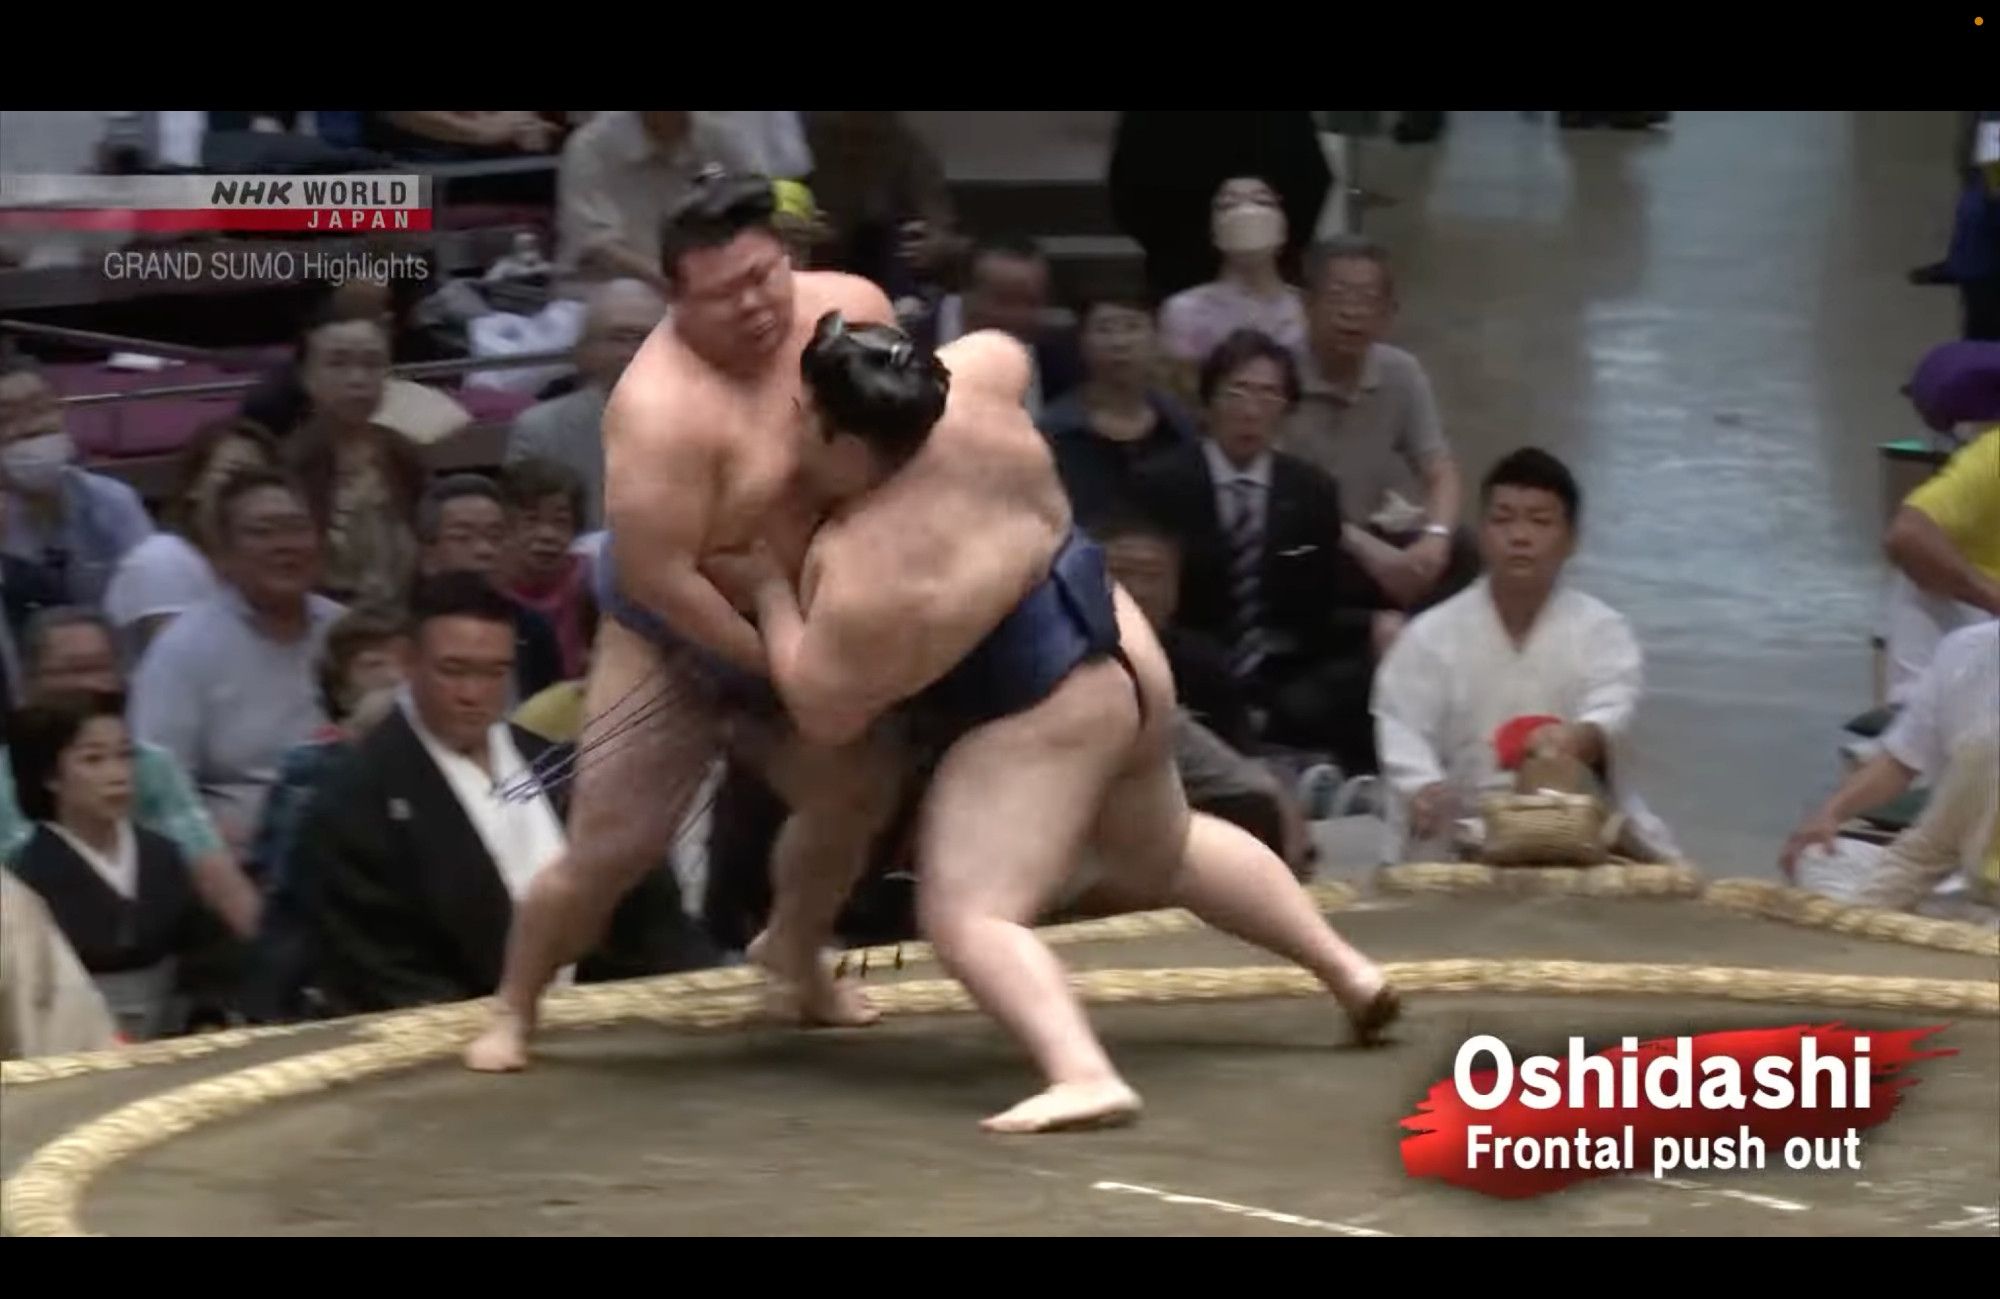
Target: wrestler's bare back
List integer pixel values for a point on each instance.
(699, 461)
(932, 560)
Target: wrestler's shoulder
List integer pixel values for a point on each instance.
(852, 296)
(990, 361)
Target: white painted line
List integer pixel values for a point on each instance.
(1723, 1192)
(1982, 1217)
(1242, 1210)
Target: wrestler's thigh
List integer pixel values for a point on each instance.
(649, 734)
(1012, 802)
(864, 779)
(1141, 829)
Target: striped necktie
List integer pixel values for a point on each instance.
(1246, 561)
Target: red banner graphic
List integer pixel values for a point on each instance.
(1770, 1098)
(320, 220)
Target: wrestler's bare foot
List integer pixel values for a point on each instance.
(502, 1048)
(1372, 1004)
(807, 990)
(1068, 1107)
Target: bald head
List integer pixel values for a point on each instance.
(617, 319)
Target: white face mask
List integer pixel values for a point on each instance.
(35, 464)
(1249, 228)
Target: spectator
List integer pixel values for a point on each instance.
(1948, 735)
(228, 686)
(359, 676)
(1945, 545)
(1007, 288)
(420, 839)
(1264, 570)
(622, 174)
(1249, 229)
(76, 524)
(118, 892)
(1165, 167)
(431, 135)
(174, 569)
(26, 588)
(463, 527)
(556, 714)
(1117, 419)
(361, 480)
(885, 198)
(545, 574)
(1517, 643)
(1369, 419)
(48, 1004)
(567, 430)
(1212, 733)
(69, 650)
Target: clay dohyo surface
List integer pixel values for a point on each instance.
(1259, 1121)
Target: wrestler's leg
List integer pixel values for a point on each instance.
(643, 756)
(1007, 811)
(840, 801)
(1155, 852)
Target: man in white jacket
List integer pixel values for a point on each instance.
(1516, 643)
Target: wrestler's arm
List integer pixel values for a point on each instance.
(658, 512)
(835, 670)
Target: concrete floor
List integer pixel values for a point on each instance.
(1259, 1119)
(1710, 323)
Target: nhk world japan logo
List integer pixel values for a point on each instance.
(194, 204)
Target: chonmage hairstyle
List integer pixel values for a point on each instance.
(873, 382)
(720, 206)
(1535, 468)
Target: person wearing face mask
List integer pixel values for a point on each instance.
(75, 524)
(1250, 232)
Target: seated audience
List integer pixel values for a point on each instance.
(67, 650)
(119, 893)
(1007, 288)
(227, 688)
(420, 839)
(544, 572)
(174, 569)
(26, 588)
(1117, 418)
(1946, 736)
(567, 429)
(361, 480)
(1263, 570)
(622, 174)
(884, 199)
(1945, 545)
(1517, 643)
(1249, 293)
(48, 1004)
(450, 135)
(462, 526)
(1213, 730)
(75, 524)
(1165, 167)
(359, 676)
(1367, 416)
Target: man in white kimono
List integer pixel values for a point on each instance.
(1516, 643)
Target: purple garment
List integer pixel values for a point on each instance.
(1957, 383)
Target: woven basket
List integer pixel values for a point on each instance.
(1547, 828)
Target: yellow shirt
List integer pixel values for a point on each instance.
(1963, 499)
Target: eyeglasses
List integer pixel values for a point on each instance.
(1263, 394)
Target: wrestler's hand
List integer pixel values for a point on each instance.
(741, 574)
